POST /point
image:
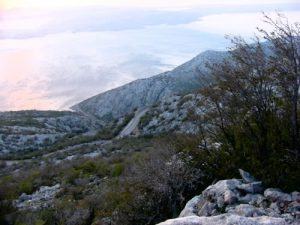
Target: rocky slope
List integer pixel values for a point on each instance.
(146, 92)
(42, 198)
(31, 130)
(172, 114)
(241, 202)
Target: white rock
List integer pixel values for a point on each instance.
(39, 199)
(273, 195)
(192, 207)
(253, 188)
(247, 177)
(295, 196)
(247, 211)
(225, 219)
(230, 197)
(219, 189)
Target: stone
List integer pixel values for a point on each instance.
(218, 189)
(274, 195)
(102, 221)
(230, 197)
(236, 202)
(192, 207)
(207, 209)
(293, 207)
(24, 197)
(253, 188)
(295, 196)
(247, 210)
(247, 177)
(275, 208)
(253, 199)
(220, 201)
(42, 198)
(225, 219)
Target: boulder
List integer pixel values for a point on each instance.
(247, 177)
(192, 207)
(240, 202)
(42, 198)
(293, 208)
(253, 188)
(230, 197)
(219, 189)
(208, 209)
(247, 210)
(276, 195)
(295, 195)
(225, 219)
(252, 199)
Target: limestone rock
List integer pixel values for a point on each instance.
(192, 207)
(240, 202)
(247, 177)
(295, 196)
(219, 189)
(247, 211)
(253, 199)
(208, 209)
(42, 198)
(274, 194)
(225, 219)
(254, 187)
(230, 197)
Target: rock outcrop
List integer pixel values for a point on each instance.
(42, 198)
(240, 202)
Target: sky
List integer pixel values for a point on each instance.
(55, 53)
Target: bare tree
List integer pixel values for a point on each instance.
(285, 40)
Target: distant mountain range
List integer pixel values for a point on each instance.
(143, 93)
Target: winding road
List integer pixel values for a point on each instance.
(132, 125)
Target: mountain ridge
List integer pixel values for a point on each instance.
(145, 92)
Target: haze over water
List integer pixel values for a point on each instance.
(54, 53)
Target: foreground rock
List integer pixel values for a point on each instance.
(240, 202)
(225, 219)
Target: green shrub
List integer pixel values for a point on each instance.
(88, 167)
(145, 120)
(26, 187)
(117, 170)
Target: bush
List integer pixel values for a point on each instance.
(117, 170)
(26, 187)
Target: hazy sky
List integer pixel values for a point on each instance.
(55, 53)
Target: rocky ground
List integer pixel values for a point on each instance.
(42, 198)
(241, 202)
(23, 131)
(172, 114)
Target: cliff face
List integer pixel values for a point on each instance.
(240, 201)
(142, 93)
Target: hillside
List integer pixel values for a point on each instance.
(146, 92)
(107, 113)
(25, 131)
